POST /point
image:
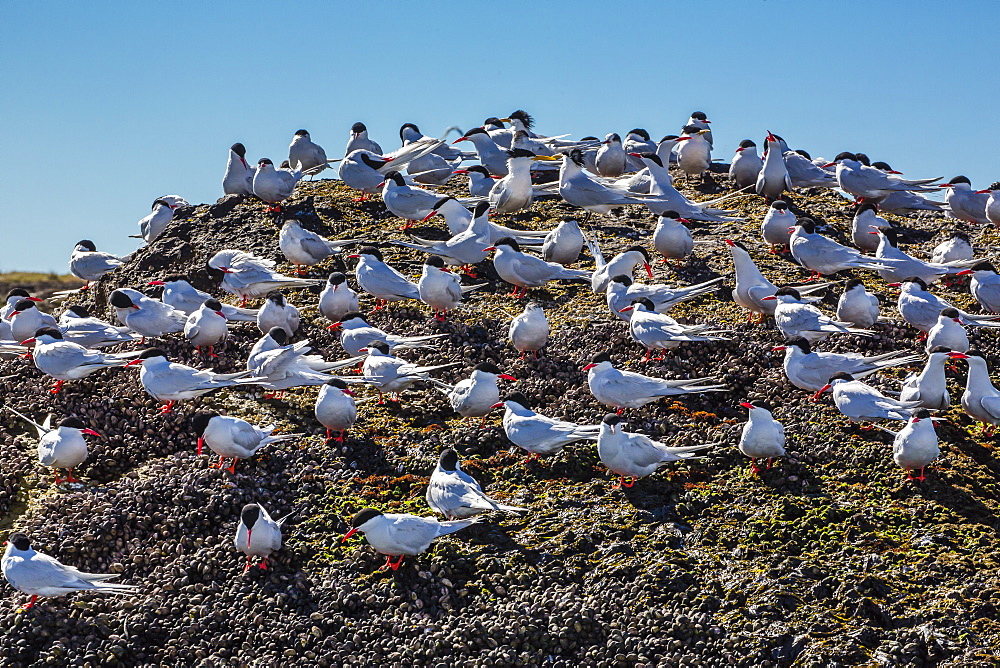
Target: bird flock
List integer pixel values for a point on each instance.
(508, 167)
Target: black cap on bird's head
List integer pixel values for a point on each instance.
(488, 367)
(301, 133)
(614, 137)
(640, 132)
(748, 143)
(699, 115)
(478, 169)
(362, 516)
(201, 419)
(265, 161)
(481, 209)
(520, 153)
(353, 315)
(48, 331)
(800, 342)
(477, 131)
(652, 157)
(600, 357)
(79, 311)
(589, 138)
(275, 297)
(87, 244)
(279, 335)
(961, 179)
(448, 459)
(524, 117)
(779, 204)
(23, 305)
(668, 138)
(867, 205)
(845, 155)
(788, 292)
(20, 541)
(372, 251)
(736, 244)
(884, 166)
(434, 261)
(285, 165)
(690, 130)
(863, 159)
(18, 292)
(163, 202)
(410, 126)
(213, 304)
(72, 423)
(150, 353)
(509, 242)
(493, 122)
(623, 279)
(804, 154)
(640, 249)
(518, 398)
(249, 516)
(646, 302)
(939, 349)
(889, 234)
(441, 202)
(612, 419)
(119, 299)
(950, 313)
(239, 149)
(578, 158)
(380, 346)
(359, 127)
(853, 283)
(985, 265)
(918, 281)
(841, 375)
(922, 414)
(396, 178)
(808, 225)
(336, 278)
(337, 383)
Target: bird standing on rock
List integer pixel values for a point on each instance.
(455, 494)
(762, 437)
(401, 535)
(257, 535)
(630, 455)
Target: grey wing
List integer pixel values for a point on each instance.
(42, 571)
(991, 405)
(536, 270)
(414, 534)
(642, 450)
(315, 246)
(247, 436)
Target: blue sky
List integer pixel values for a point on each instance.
(106, 106)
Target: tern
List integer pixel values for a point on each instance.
(610, 158)
(915, 446)
(476, 395)
(637, 141)
(579, 189)
(480, 180)
(862, 403)
(866, 219)
(956, 247)
(700, 120)
(929, 386)
(274, 185)
(900, 265)
(948, 332)
(360, 140)
(777, 224)
(870, 183)
(656, 331)
(694, 152)
(392, 375)
(985, 286)
(406, 201)
(64, 360)
(25, 319)
(762, 437)
(63, 447)
(149, 317)
(169, 382)
(492, 157)
(401, 535)
(981, 400)
(305, 153)
(811, 371)
(514, 192)
(964, 203)
(39, 574)
(992, 203)
(564, 243)
(621, 292)
(529, 330)
(277, 312)
(803, 173)
(856, 306)
(337, 298)
(182, 296)
(631, 455)
(233, 438)
(335, 409)
(257, 535)
(921, 309)
(455, 494)
(87, 264)
(773, 179)
(366, 170)
(823, 256)
(538, 434)
(664, 197)
(752, 288)
(795, 318)
(78, 326)
(466, 247)
(622, 264)
(621, 389)
(248, 276)
(380, 280)
(153, 225)
(671, 238)
(746, 165)
(526, 271)
(357, 334)
(207, 327)
(279, 366)
(440, 289)
(239, 175)
(304, 248)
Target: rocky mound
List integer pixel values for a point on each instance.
(830, 558)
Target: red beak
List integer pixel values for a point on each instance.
(682, 139)
(649, 270)
(155, 283)
(460, 171)
(591, 365)
(964, 272)
(134, 362)
(429, 216)
(621, 310)
(764, 299)
(894, 285)
(459, 139)
(744, 404)
(491, 248)
(635, 155)
(499, 404)
(983, 192)
(506, 376)
(335, 325)
(12, 314)
(220, 314)
(958, 356)
(828, 165)
(349, 534)
(791, 229)
(348, 393)
(38, 299)
(730, 242)
(27, 341)
(777, 348)
(249, 533)
(824, 388)
(740, 149)
(353, 257)
(380, 185)
(90, 431)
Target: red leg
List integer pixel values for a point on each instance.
(31, 603)
(388, 563)
(921, 477)
(619, 411)
(246, 566)
(399, 562)
(232, 469)
(211, 352)
(59, 480)
(57, 386)
(69, 476)
(770, 463)
(341, 435)
(167, 408)
(201, 444)
(262, 565)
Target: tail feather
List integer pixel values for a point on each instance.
(451, 526)
(510, 509)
